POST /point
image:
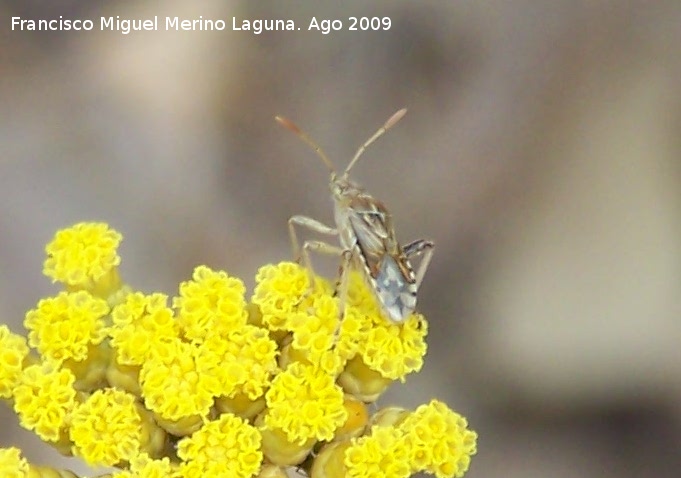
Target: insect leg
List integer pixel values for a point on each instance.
(342, 288)
(320, 247)
(343, 282)
(415, 249)
(307, 223)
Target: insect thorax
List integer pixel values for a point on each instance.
(365, 229)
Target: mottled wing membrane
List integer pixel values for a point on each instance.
(395, 288)
(370, 222)
(391, 275)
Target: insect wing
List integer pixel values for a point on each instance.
(390, 274)
(395, 291)
(370, 222)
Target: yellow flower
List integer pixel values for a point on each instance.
(439, 440)
(44, 399)
(360, 295)
(12, 464)
(63, 327)
(84, 257)
(377, 350)
(314, 331)
(305, 403)
(288, 302)
(382, 453)
(240, 362)
(210, 302)
(393, 350)
(139, 324)
(432, 438)
(142, 466)
(280, 290)
(13, 352)
(245, 389)
(173, 386)
(228, 446)
(106, 429)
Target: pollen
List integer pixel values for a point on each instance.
(211, 301)
(64, 326)
(106, 428)
(83, 255)
(44, 399)
(228, 446)
(305, 403)
(13, 352)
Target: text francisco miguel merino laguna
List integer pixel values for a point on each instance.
(125, 25)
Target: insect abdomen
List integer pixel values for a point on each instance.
(396, 293)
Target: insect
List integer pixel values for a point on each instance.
(366, 235)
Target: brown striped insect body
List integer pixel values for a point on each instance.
(366, 235)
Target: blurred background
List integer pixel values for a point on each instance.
(540, 152)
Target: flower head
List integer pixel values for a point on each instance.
(242, 361)
(439, 440)
(44, 399)
(282, 289)
(314, 330)
(13, 351)
(65, 326)
(106, 428)
(382, 453)
(228, 446)
(305, 403)
(143, 466)
(12, 464)
(84, 257)
(140, 323)
(211, 301)
(172, 384)
(393, 350)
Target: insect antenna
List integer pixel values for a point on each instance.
(291, 126)
(381, 131)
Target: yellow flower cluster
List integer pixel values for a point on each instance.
(209, 383)
(399, 443)
(13, 352)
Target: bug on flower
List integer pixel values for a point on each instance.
(366, 234)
